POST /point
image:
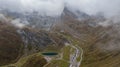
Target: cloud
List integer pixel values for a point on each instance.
(108, 7)
(16, 22)
(49, 7)
(55, 7)
(3, 18)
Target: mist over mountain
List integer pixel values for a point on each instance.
(59, 33)
(37, 20)
(55, 7)
(43, 13)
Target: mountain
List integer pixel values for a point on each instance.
(73, 39)
(74, 14)
(16, 43)
(38, 20)
(98, 44)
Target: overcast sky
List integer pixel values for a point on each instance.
(55, 7)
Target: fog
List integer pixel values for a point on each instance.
(55, 7)
(49, 7)
(16, 22)
(108, 7)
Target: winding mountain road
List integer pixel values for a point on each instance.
(74, 56)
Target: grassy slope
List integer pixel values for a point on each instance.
(29, 60)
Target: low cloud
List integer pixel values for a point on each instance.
(48, 7)
(3, 18)
(16, 22)
(55, 7)
(92, 7)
